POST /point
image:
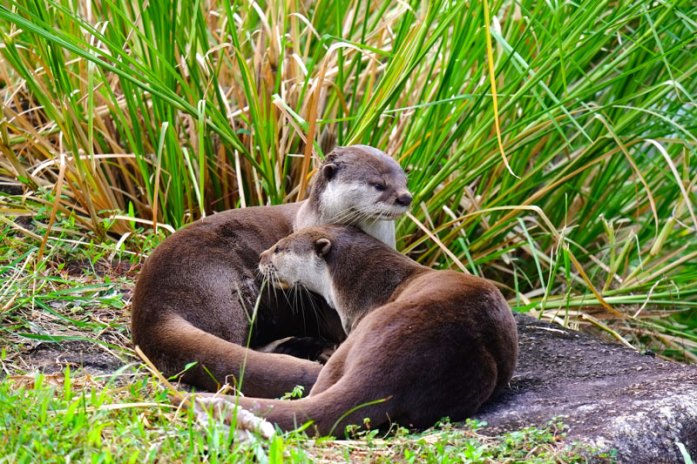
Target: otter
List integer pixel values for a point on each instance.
(196, 295)
(422, 345)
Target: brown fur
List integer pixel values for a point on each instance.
(424, 344)
(196, 294)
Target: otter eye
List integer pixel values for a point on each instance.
(378, 186)
(276, 250)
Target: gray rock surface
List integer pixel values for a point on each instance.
(609, 396)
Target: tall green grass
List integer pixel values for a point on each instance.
(576, 190)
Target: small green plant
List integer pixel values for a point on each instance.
(296, 393)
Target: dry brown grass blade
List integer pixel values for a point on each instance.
(58, 189)
(492, 79)
(156, 189)
(592, 288)
(312, 127)
(171, 391)
(309, 139)
(10, 155)
(440, 244)
(18, 227)
(678, 181)
(607, 329)
(637, 171)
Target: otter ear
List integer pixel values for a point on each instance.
(333, 155)
(329, 170)
(322, 247)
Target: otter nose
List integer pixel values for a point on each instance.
(404, 199)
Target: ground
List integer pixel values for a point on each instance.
(82, 321)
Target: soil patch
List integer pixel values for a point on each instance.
(53, 358)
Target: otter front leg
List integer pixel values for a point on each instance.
(333, 370)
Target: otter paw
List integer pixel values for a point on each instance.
(327, 353)
(312, 348)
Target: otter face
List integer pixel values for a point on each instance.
(298, 260)
(360, 184)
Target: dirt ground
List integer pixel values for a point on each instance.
(52, 358)
(88, 351)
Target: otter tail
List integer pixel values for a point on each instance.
(218, 361)
(330, 411)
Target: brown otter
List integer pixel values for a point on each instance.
(423, 344)
(196, 294)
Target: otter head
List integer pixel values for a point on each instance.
(301, 260)
(359, 185)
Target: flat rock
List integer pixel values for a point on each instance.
(610, 397)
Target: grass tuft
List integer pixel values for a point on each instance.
(127, 418)
(549, 147)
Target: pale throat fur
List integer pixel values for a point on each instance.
(370, 193)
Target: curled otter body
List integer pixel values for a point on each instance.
(423, 344)
(196, 294)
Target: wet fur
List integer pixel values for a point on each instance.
(423, 345)
(196, 294)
